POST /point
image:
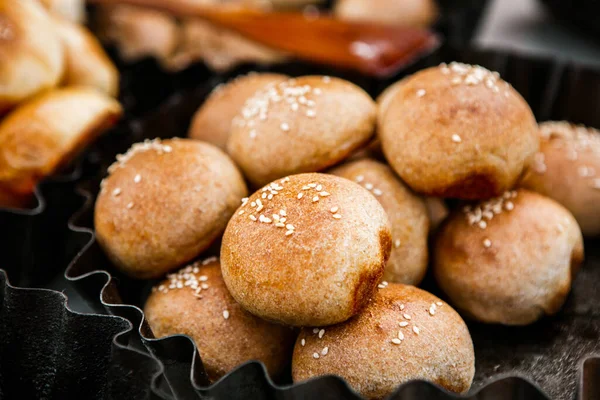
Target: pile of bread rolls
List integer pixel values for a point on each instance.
(318, 266)
(57, 89)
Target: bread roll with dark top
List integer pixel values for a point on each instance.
(165, 202)
(301, 125)
(195, 302)
(407, 214)
(403, 334)
(212, 121)
(457, 131)
(307, 249)
(567, 169)
(510, 259)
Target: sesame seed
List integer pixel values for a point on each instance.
(264, 196)
(280, 225)
(116, 192)
(282, 213)
(326, 79)
(312, 185)
(315, 330)
(252, 217)
(396, 341)
(406, 316)
(377, 192)
(359, 178)
(421, 92)
(285, 127)
(270, 196)
(289, 227)
(253, 204)
(325, 351)
(432, 309)
(324, 194)
(137, 178)
(288, 233)
(403, 324)
(380, 286)
(509, 205)
(321, 333)
(482, 224)
(252, 133)
(416, 330)
(300, 195)
(317, 91)
(225, 314)
(294, 106)
(334, 209)
(130, 205)
(241, 212)
(204, 286)
(315, 199)
(368, 186)
(397, 243)
(319, 188)
(315, 355)
(337, 216)
(203, 278)
(311, 113)
(401, 307)
(456, 138)
(303, 342)
(400, 335)
(487, 243)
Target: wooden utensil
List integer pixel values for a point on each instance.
(377, 50)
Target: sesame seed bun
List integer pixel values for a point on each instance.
(418, 13)
(407, 214)
(225, 334)
(300, 125)
(513, 268)
(457, 131)
(404, 333)
(567, 169)
(165, 202)
(31, 52)
(46, 132)
(212, 121)
(308, 249)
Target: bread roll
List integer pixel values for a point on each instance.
(165, 202)
(437, 211)
(418, 13)
(509, 260)
(301, 125)
(195, 302)
(308, 249)
(72, 10)
(567, 169)
(457, 131)
(404, 333)
(212, 121)
(407, 214)
(30, 50)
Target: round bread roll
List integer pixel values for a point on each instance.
(418, 13)
(510, 259)
(45, 133)
(403, 334)
(195, 302)
(308, 249)
(567, 169)
(30, 50)
(212, 121)
(457, 131)
(165, 202)
(407, 214)
(301, 125)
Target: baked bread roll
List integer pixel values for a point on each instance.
(308, 249)
(567, 169)
(195, 302)
(301, 125)
(30, 50)
(72, 10)
(46, 133)
(212, 121)
(457, 131)
(407, 214)
(86, 62)
(509, 260)
(404, 333)
(437, 211)
(418, 13)
(165, 202)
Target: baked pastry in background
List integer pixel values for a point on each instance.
(31, 52)
(567, 169)
(306, 250)
(212, 122)
(194, 301)
(419, 13)
(165, 202)
(407, 214)
(508, 260)
(457, 131)
(437, 211)
(403, 334)
(304, 124)
(45, 133)
(72, 10)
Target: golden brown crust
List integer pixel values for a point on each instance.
(31, 51)
(72, 10)
(362, 352)
(516, 269)
(407, 214)
(321, 264)
(418, 13)
(212, 121)
(46, 132)
(223, 343)
(165, 203)
(458, 131)
(302, 125)
(567, 169)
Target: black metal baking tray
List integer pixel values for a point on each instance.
(581, 15)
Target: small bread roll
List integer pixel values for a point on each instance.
(30, 50)
(72, 10)
(407, 214)
(457, 131)
(47, 132)
(567, 169)
(308, 249)
(165, 202)
(195, 302)
(301, 125)
(437, 211)
(510, 259)
(418, 13)
(403, 334)
(87, 63)
(212, 121)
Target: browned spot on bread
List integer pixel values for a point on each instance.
(577, 258)
(367, 284)
(473, 187)
(385, 241)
